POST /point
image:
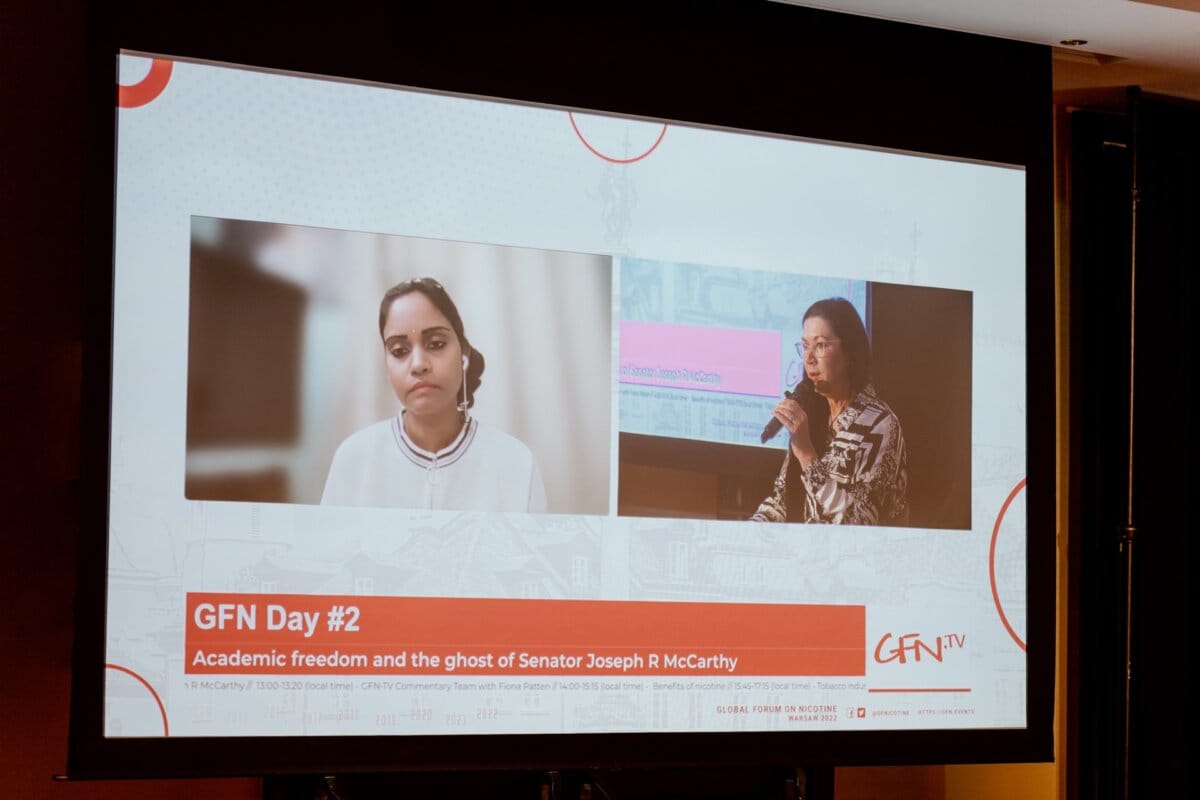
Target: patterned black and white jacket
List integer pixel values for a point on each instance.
(861, 479)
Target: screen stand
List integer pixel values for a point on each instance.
(702, 783)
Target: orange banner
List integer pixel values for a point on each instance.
(354, 635)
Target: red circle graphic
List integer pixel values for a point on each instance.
(610, 159)
(992, 563)
(161, 708)
(148, 88)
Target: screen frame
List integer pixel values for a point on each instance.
(728, 65)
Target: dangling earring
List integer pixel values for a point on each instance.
(464, 405)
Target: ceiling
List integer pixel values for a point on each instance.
(1128, 41)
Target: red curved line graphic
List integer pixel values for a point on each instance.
(597, 153)
(161, 709)
(148, 88)
(992, 563)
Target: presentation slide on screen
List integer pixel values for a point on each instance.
(707, 352)
(378, 359)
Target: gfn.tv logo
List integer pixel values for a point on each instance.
(909, 647)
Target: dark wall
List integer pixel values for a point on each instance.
(921, 361)
(43, 164)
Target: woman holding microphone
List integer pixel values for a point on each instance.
(861, 476)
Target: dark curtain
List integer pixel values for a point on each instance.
(1158, 141)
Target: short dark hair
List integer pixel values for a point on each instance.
(847, 327)
(437, 294)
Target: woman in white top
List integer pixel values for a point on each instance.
(432, 454)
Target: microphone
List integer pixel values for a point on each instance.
(802, 392)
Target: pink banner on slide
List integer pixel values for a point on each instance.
(693, 357)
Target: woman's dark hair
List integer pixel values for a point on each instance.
(437, 295)
(849, 329)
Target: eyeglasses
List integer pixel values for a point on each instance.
(818, 349)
